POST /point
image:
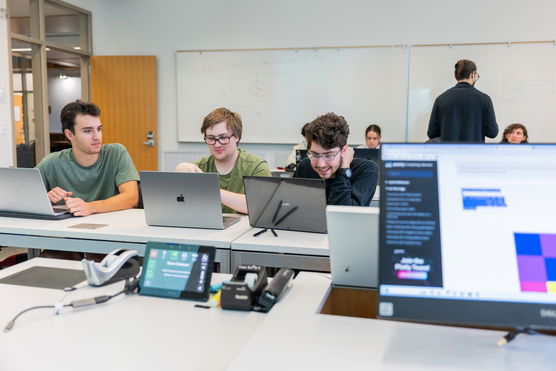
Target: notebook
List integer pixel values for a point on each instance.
(190, 200)
(353, 243)
(23, 195)
(295, 204)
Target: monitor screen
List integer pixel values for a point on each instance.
(177, 270)
(468, 235)
(372, 154)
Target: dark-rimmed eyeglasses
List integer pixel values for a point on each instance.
(222, 140)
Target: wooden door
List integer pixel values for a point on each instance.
(124, 87)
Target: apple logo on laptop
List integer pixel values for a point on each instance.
(180, 198)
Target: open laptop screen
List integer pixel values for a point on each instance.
(468, 235)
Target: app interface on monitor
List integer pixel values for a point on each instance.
(176, 270)
(469, 222)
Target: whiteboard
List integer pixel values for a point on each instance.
(520, 79)
(277, 91)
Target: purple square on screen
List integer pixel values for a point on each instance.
(548, 245)
(531, 268)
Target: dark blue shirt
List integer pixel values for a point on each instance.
(462, 114)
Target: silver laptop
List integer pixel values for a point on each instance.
(23, 195)
(353, 243)
(191, 200)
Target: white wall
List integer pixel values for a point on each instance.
(6, 132)
(146, 27)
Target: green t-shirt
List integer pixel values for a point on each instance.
(246, 164)
(90, 183)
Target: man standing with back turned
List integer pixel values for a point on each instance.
(463, 113)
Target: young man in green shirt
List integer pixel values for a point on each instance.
(90, 177)
(222, 130)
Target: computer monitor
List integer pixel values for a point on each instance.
(468, 234)
(372, 154)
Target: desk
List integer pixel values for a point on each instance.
(125, 229)
(295, 337)
(297, 250)
(127, 333)
(143, 333)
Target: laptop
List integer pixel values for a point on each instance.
(295, 204)
(281, 174)
(353, 242)
(372, 154)
(23, 195)
(189, 200)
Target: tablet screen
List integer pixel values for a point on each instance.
(177, 271)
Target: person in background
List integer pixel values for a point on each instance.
(301, 145)
(372, 137)
(515, 133)
(463, 113)
(349, 181)
(222, 130)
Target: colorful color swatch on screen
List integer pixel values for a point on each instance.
(536, 261)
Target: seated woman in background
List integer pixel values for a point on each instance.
(515, 133)
(372, 137)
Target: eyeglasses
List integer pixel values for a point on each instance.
(326, 157)
(222, 140)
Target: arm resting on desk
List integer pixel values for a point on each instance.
(127, 198)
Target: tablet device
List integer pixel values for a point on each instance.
(177, 271)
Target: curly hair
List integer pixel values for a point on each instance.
(329, 131)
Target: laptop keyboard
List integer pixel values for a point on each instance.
(230, 220)
(59, 209)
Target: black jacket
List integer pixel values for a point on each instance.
(357, 191)
(462, 114)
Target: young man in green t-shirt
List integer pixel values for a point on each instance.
(89, 177)
(222, 130)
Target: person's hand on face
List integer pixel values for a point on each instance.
(347, 156)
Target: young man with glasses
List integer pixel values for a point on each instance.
(222, 130)
(349, 181)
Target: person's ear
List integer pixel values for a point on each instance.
(345, 147)
(68, 134)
